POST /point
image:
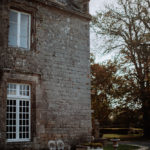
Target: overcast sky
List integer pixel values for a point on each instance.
(96, 5)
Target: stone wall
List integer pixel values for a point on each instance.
(58, 68)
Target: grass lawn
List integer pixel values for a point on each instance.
(121, 147)
(122, 137)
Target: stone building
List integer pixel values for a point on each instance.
(44, 73)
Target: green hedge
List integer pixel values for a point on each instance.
(123, 131)
(94, 145)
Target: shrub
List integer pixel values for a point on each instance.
(122, 131)
(94, 145)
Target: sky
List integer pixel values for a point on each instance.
(96, 5)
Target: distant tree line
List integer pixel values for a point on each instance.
(113, 97)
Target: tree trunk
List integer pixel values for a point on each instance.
(146, 114)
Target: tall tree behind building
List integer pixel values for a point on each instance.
(125, 28)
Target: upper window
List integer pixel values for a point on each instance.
(19, 29)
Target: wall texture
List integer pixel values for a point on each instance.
(57, 67)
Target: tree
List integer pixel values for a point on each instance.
(126, 30)
(100, 102)
(107, 87)
(125, 117)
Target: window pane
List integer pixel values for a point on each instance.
(13, 28)
(13, 16)
(24, 31)
(24, 119)
(11, 90)
(18, 113)
(11, 119)
(24, 90)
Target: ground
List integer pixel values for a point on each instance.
(138, 142)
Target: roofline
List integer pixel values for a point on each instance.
(62, 7)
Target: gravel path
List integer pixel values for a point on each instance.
(145, 145)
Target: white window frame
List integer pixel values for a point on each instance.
(18, 29)
(18, 98)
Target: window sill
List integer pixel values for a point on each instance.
(20, 51)
(18, 144)
(18, 48)
(18, 141)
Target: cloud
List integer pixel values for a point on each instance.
(96, 5)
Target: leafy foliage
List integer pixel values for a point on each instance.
(113, 96)
(125, 28)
